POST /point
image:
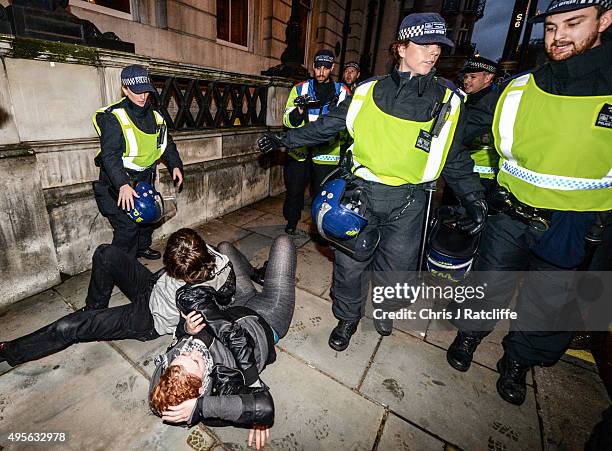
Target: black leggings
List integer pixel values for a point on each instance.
(276, 301)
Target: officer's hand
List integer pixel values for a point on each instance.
(126, 197)
(476, 210)
(177, 176)
(269, 142)
(302, 101)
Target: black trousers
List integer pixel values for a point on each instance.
(319, 172)
(97, 322)
(505, 247)
(127, 235)
(297, 174)
(398, 213)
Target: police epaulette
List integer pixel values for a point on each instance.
(452, 86)
(374, 78)
(506, 81)
(112, 107)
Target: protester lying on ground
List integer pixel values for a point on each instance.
(190, 265)
(211, 373)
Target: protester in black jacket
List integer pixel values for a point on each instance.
(212, 375)
(133, 137)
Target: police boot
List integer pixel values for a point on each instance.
(511, 384)
(341, 334)
(149, 254)
(259, 274)
(383, 326)
(461, 351)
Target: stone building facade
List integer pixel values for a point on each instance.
(209, 87)
(206, 58)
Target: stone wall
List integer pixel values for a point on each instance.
(49, 222)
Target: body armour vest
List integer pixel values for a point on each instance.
(396, 151)
(324, 153)
(141, 149)
(555, 151)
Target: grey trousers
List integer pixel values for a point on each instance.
(276, 301)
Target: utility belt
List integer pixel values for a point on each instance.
(134, 173)
(503, 201)
(147, 175)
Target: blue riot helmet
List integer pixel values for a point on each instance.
(149, 207)
(451, 252)
(338, 213)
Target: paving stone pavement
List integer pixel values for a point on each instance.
(392, 393)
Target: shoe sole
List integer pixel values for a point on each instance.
(5, 367)
(148, 258)
(501, 393)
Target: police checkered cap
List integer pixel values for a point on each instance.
(136, 78)
(424, 28)
(324, 57)
(479, 64)
(563, 6)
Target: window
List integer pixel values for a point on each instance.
(117, 8)
(233, 21)
(119, 5)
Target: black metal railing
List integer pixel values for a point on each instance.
(197, 104)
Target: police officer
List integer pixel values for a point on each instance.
(553, 133)
(133, 137)
(478, 75)
(351, 74)
(307, 102)
(406, 128)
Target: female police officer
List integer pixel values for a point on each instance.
(406, 128)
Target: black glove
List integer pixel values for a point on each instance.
(269, 142)
(302, 101)
(476, 210)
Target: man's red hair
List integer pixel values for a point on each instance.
(175, 386)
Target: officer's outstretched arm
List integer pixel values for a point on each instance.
(321, 131)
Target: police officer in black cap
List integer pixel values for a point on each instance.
(478, 76)
(133, 138)
(407, 131)
(553, 133)
(308, 101)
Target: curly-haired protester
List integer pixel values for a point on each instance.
(189, 265)
(212, 375)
